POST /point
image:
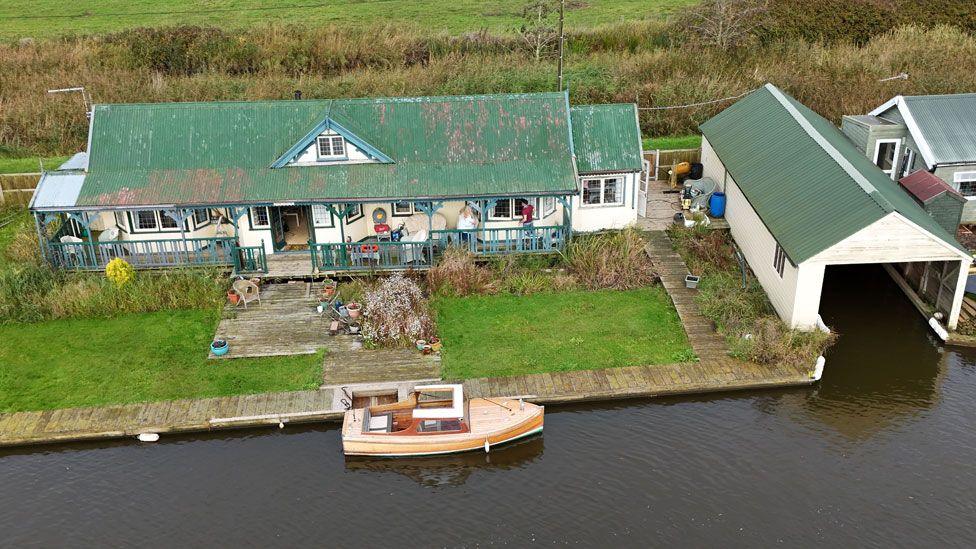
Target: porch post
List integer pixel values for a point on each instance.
(957, 298)
(41, 240)
(567, 203)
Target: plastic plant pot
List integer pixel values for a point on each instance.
(219, 347)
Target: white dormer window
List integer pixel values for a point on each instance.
(331, 147)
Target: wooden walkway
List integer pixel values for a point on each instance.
(347, 362)
(285, 322)
(176, 416)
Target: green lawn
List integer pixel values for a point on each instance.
(45, 18)
(133, 358)
(672, 142)
(29, 165)
(506, 335)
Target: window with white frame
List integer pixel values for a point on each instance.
(354, 214)
(260, 217)
(886, 155)
(167, 221)
(331, 147)
(145, 220)
(779, 260)
(965, 182)
(603, 191)
(507, 209)
(201, 217)
(402, 209)
(322, 217)
(907, 162)
(548, 206)
(120, 221)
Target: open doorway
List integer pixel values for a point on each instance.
(291, 227)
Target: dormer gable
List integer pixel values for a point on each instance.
(329, 143)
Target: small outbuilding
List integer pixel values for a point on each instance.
(802, 197)
(936, 197)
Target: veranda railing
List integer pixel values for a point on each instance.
(142, 253)
(356, 256)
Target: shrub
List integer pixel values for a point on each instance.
(396, 313)
(119, 272)
(613, 260)
(772, 342)
(457, 274)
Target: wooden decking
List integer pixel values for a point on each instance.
(285, 322)
(661, 207)
(347, 362)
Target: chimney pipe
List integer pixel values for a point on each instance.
(298, 94)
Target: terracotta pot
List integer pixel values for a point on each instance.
(354, 310)
(233, 297)
(328, 291)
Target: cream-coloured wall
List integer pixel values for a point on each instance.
(759, 248)
(597, 218)
(891, 239)
(310, 155)
(711, 165)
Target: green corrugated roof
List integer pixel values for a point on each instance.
(947, 124)
(810, 185)
(607, 138)
(221, 153)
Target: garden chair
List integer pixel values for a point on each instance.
(248, 292)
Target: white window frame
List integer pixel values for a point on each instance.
(959, 178)
(332, 156)
(158, 216)
(908, 161)
(548, 206)
(253, 219)
(198, 224)
(621, 192)
(395, 213)
(893, 172)
(318, 209)
(513, 215)
(121, 221)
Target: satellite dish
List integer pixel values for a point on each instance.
(379, 216)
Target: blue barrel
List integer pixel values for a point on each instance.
(716, 204)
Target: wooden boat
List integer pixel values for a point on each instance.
(426, 424)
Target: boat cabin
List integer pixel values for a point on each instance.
(425, 412)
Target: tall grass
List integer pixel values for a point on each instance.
(743, 314)
(626, 62)
(614, 259)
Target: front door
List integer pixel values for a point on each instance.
(642, 190)
(277, 229)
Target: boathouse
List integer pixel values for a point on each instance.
(802, 197)
(324, 185)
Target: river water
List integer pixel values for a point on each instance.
(879, 453)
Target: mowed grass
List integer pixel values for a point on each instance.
(45, 18)
(30, 164)
(133, 358)
(505, 335)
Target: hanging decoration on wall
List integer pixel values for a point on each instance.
(379, 216)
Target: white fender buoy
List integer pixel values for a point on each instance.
(281, 424)
(819, 368)
(148, 437)
(487, 446)
(938, 329)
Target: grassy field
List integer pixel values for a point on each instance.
(45, 18)
(674, 142)
(30, 164)
(504, 335)
(133, 358)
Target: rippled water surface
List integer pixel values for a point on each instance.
(880, 453)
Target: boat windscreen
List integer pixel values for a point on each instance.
(439, 425)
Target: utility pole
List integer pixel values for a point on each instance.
(562, 8)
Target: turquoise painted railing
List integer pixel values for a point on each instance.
(499, 241)
(142, 253)
(250, 259)
(359, 256)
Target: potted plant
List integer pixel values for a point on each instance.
(233, 297)
(328, 290)
(219, 347)
(354, 310)
(421, 344)
(435, 344)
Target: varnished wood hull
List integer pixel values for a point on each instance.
(525, 423)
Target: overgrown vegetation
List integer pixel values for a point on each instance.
(504, 335)
(743, 314)
(612, 260)
(133, 358)
(812, 52)
(396, 313)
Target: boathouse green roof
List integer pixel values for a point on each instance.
(807, 182)
(424, 147)
(607, 138)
